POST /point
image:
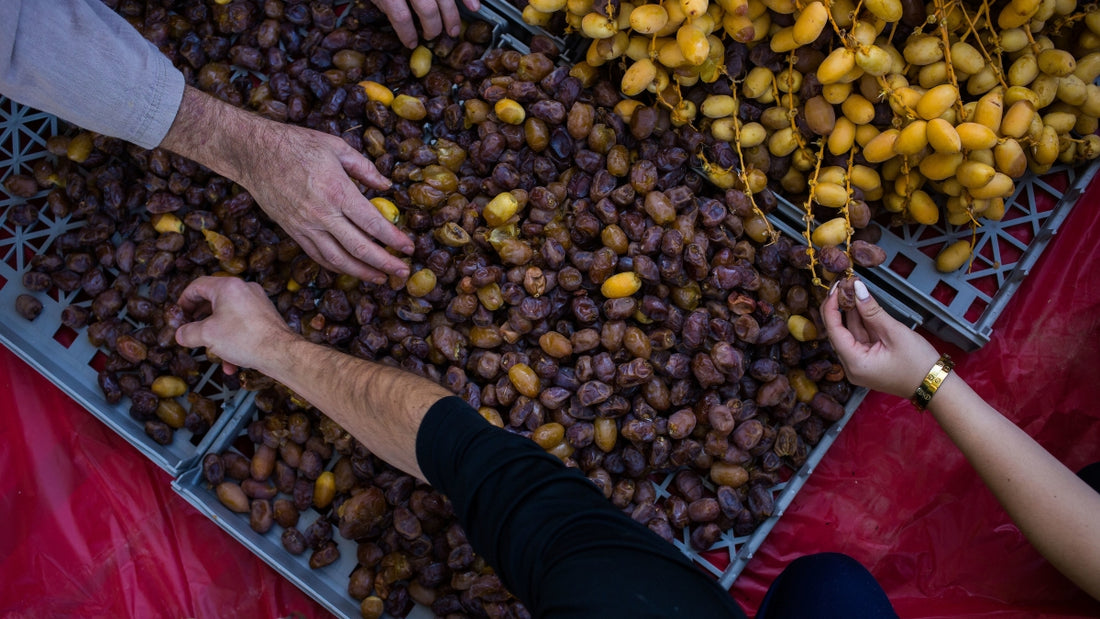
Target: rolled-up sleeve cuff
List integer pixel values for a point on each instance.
(163, 102)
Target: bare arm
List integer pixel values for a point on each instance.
(1057, 511)
(380, 406)
(300, 177)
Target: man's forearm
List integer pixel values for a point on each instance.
(380, 406)
(1055, 509)
(213, 133)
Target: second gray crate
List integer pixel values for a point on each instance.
(725, 559)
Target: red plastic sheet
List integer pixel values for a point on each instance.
(94, 530)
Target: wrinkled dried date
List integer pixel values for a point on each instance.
(27, 306)
(213, 469)
(293, 541)
(867, 255)
(846, 294)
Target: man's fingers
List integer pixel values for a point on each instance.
(361, 248)
(335, 255)
(428, 12)
(473, 5)
(197, 311)
(364, 215)
(199, 295)
(360, 168)
(228, 368)
(451, 21)
(190, 335)
(327, 252)
(402, 22)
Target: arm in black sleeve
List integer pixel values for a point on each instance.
(552, 537)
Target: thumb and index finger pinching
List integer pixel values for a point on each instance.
(190, 335)
(197, 300)
(875, 319)
(198, 294)
(867, 312)
(838, 334)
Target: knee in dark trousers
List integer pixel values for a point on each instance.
(825, 586)
(1091, 475)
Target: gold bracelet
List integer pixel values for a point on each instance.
(932, 382)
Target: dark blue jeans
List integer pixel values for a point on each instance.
(825, 586)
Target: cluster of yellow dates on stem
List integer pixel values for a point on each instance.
(979, 95)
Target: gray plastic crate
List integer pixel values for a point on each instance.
(739, 550)
(68, 358)
(327, 585)
(60, 354)
(725, 559)
(501, 25)
(962, 307)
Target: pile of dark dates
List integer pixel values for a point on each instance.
(524, 194)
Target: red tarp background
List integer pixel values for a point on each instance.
(92, 529)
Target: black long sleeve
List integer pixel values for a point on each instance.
(552, 537)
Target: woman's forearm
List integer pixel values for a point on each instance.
(380, 406)
(1057, 511)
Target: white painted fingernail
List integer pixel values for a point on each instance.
(861, 291)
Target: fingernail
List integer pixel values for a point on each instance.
(453, 31)
(832, 289)
(861, 291)
(402, 273)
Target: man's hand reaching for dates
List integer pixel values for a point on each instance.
(301, 178)
(233, 320)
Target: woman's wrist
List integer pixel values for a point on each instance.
(919, 359)
(932, 381)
